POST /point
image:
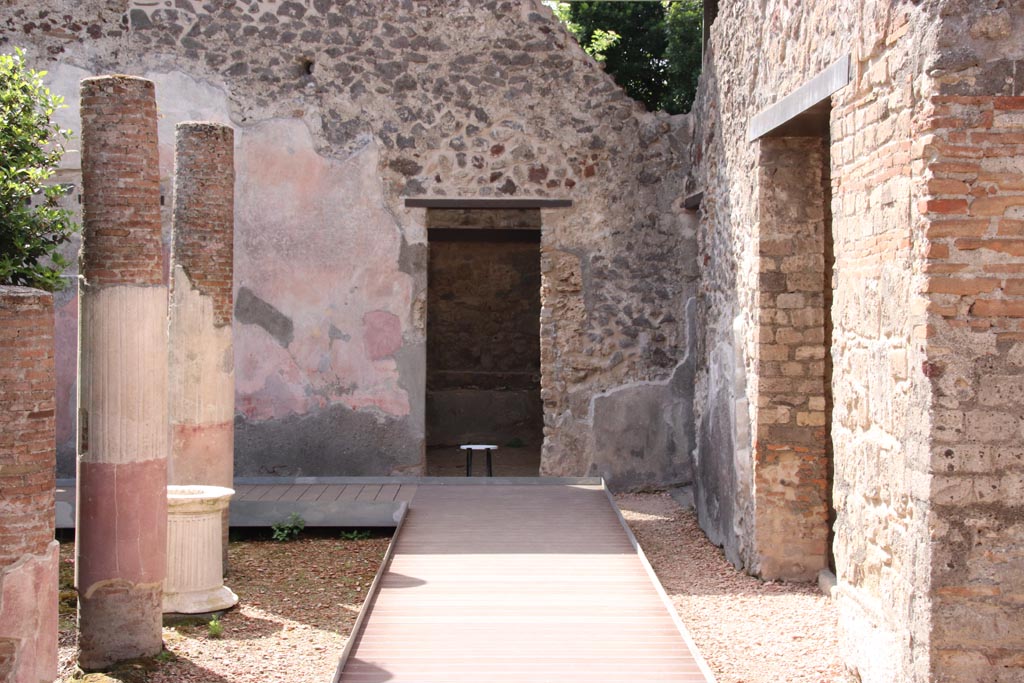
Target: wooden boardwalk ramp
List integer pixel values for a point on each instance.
(515, 583)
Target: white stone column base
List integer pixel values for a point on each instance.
(195, 572)
(199, 602)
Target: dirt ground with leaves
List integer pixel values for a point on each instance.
(298, 601)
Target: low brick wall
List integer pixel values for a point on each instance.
(28, 553)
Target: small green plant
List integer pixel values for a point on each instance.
(215, 629)
(355, 535)
(165, 656)
(289, 529)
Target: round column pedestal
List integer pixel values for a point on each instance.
(195, 570)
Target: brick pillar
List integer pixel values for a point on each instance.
(973, 228)
(122, 418)
(791, 427)
(28, 553)
(201, 369)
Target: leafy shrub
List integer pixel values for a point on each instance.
(32, 226)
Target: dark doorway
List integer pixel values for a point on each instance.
(483, 339)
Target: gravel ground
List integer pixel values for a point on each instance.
(299, 601)
(749, 631)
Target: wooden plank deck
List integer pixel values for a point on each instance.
(518, 583)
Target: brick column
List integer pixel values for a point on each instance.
(791, 427)
(201, 362)
(122, 419)
(28, 553)
(973, 229)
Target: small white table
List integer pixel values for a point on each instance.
(469, 448)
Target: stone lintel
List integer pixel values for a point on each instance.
(477, 203)
(802, 111)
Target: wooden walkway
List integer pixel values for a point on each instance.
(518, 583)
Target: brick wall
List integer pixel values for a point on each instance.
(880, 397)
(204, 192)
(973, 240)
(26, 422)
(119, 144)
(790, 436)
(927, 205)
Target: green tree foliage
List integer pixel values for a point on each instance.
(652, 49)
(32, 226)
(684, 25)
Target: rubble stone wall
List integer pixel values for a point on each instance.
(343, 109)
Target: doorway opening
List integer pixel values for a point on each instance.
(483, 339)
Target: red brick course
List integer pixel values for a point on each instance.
(977, 309)
(120, 183)
(974, 215)
(204, 193)
(27, 443)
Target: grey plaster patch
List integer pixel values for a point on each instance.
(333, 442)
(716, 479)
(252, 310)
(643, 434)
(412, 258)
(334, 333)
(67, 458)
(411, 360)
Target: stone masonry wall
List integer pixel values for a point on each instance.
(343, 109)
(757, 55)
(28, 551)
(970, 149)
(924, 166)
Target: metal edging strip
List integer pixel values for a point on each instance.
(701, 664)
(371, 595)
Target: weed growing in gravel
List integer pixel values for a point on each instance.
(215, 629)
(289, 529)
(356, 534)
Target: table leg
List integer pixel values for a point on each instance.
(490, 472)
(469, 462)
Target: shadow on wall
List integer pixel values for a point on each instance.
(722, 468)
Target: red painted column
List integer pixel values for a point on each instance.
(201, 362)
(122, 403)
(28, 554)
